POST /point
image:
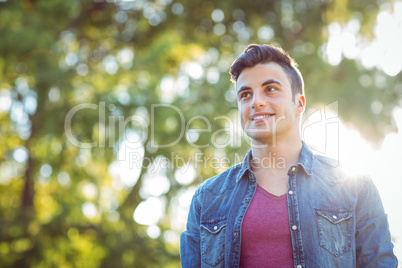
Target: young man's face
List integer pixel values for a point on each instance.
(267, 108)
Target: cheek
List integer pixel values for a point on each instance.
(281, 103)
(244, 110)
(240, 106)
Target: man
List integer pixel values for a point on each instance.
(300, 212)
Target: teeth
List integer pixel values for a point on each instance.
(260, 117)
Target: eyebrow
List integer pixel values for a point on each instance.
(268, 82)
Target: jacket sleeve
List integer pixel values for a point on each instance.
(373, 239)
(190, 251)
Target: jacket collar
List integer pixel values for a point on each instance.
(244, 166)
(305, 161)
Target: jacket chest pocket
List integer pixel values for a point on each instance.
(213, 241)
(335, 227)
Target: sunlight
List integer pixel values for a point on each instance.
(180, 206)
(150, 211)
(358, 157)
(153, 231)
(5, 100)
(185, 174)
(171, 87)
(193, 69)
(89, 190)
(20, 154)
(388, 178)
(89, 210)
(127, 167)
(320, 130)
(383, 52)
(154, 185)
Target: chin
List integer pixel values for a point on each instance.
(260, 138)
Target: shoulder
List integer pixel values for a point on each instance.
(332, 172)
(327, 161)
(328, 169)
(221, 182)
(330, 178)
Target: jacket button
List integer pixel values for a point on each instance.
(299, 266)
(335, 217)
(290, 192)
(215, 227)
(294, 227)
(245, 199)
(236, 233)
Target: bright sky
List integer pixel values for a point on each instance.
(327, 135)
(383, 53)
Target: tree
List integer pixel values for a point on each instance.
(118, 71)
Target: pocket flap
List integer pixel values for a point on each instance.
(335, 215)
(214, 226)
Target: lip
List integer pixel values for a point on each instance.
(257, 115)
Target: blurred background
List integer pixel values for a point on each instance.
(113, 112)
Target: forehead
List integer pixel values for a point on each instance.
(255, 76)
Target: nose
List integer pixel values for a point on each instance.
(258, 101)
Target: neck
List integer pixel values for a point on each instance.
(278, 156)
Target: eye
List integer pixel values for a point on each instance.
(270, 89)
(244, 95)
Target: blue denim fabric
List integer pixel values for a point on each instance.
(335, 221)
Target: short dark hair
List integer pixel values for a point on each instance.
(255, 54)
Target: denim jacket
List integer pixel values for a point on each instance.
(334, 221)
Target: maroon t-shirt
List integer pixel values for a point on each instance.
(265, 232)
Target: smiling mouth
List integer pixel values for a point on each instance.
(261, 117)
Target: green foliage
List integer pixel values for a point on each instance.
(116, 57)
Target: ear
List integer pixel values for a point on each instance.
(300, 103)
